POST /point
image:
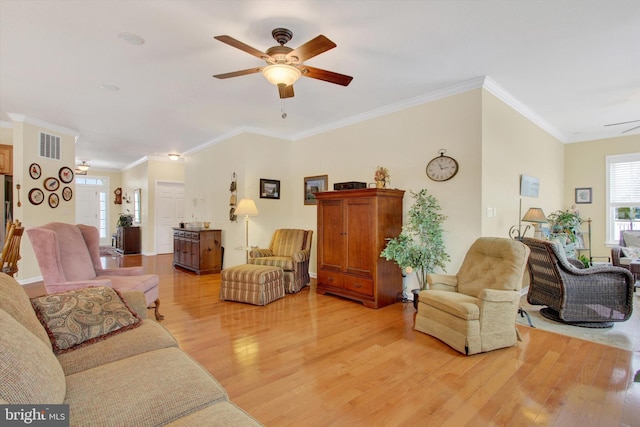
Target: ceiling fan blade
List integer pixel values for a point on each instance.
(285, 91)
(237, 73)
(629, 130)
(622, 123)
(242, 46)
(327, 76)
(311, 48)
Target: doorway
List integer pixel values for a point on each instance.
(169, 212)
(92, 207)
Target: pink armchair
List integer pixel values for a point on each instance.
(69, 258)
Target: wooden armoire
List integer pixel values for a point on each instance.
(353, 228)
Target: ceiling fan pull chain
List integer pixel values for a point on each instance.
(283, 110)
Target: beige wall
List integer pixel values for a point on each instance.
(26, 143)
(512, 145)
(585, 167)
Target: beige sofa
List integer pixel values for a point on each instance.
(135, 378)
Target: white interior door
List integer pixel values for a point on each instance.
(169, 213)
(92, 207)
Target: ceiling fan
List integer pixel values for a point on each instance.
(626, 123)
(284, 64)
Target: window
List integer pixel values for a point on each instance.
(137, 207)
(623, 194)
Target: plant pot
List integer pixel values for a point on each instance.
(416, 295)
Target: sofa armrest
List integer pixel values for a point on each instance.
(136, 302)
(301, 256)
(259, 253)
(124, 271)
(443, 282)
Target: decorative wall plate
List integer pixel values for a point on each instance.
(51, 184)
(65, 174)
(36, 196)
(35, 171)
(54, 200)
(67, 194)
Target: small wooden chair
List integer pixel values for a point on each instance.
(11, 249)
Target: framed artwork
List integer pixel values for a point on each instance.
(54, 200)
(314, 184)
(269, 189)
(65, 174)
(529, 186)
(51, 184)
(67, 194)
(35, 171)
(583, 195)
(36, 196)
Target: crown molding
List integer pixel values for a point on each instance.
(6, 125)
(43, 124)
(235, 132)
(499, 92)
(435, 95)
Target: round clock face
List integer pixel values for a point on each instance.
(442, 168)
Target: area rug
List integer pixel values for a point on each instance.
(108, 251)
(625, 335)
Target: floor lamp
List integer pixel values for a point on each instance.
(246, 207)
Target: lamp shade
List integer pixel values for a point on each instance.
(281, 74)
(534, 215)
(247, 207)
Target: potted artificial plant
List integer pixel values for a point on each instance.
(419, 246)
(565, 222)
(125, 220)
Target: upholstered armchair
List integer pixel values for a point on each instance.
(69, 258)
(593, 297)
(290, 249)
(627, 250)
(475, 310)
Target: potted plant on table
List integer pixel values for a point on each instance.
(125, 220)
(419, 247)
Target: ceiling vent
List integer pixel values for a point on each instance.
(49, 146)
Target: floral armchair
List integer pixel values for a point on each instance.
(290, 249)
(69, 258)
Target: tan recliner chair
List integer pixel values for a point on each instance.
(475, 310)
(290, 249)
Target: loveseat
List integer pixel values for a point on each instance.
(138, 377)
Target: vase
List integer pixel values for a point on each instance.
(379, 184)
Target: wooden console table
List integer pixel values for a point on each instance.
(128, 240)
(198, 249)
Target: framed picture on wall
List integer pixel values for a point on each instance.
(269, 189)
(583, 195)
(314, 184)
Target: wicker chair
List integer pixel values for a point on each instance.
(590, 297)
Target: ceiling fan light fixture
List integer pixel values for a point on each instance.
(281, 74)
(83, 166)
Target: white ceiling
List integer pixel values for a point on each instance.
(572, 65)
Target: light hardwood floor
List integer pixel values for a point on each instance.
(319, 360)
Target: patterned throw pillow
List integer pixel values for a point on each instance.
(77, 318)
(632, 252)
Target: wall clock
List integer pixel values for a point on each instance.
(442, 168)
